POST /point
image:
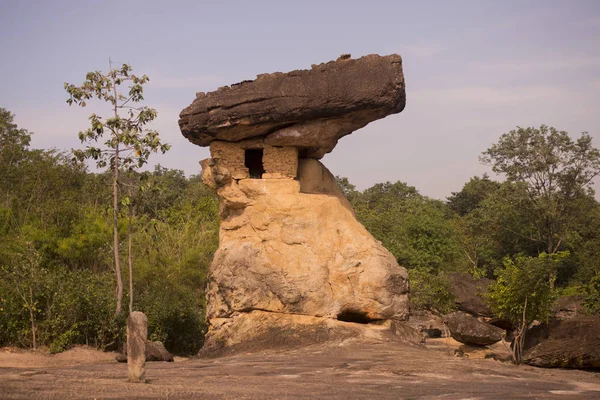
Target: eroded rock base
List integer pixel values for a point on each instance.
(293, 248)
(259, 330)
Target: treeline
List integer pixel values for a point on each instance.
(484, 228)
(57, 280)
(537, 234)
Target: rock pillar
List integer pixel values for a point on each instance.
(137, 334)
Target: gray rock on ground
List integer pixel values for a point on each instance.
(468, 294)
(469, 330)
(155, 351)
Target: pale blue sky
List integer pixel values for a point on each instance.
(473, 69)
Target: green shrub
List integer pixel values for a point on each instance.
(64, 340)
(525, 278)
(523, 292)
(175, 316)
(431, 291)
(592, 295)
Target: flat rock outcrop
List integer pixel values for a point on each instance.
(571, 343)
(259, 330)
(469, 330)
(293, 261)
(309, 109)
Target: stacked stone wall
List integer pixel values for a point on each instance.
(278, 162)
(231, 156)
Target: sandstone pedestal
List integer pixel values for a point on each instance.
(137, 334)
(295, 255)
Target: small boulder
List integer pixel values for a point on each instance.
(469, 330)
(155, 351)
(468, 293)
(428, 324)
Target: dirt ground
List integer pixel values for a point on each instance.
(350, 370)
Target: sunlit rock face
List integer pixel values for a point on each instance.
(292, 257)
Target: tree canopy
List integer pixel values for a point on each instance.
(556, 171)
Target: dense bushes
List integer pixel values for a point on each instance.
(430, 291)
(64, 288)
(57, 284)
(55, 306)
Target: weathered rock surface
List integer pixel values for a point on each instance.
(571, 343)
(427, 323)
(259, 330)
(568, 307)
(469, 330)
(354, 369)
(308, 109)
(301, 254)
(468, 293)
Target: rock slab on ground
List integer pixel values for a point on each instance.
(350, 370)
(469, 330)
(571, 343)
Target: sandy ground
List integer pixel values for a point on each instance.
(350, 370)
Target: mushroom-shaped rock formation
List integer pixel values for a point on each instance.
(294, 265)
(308, 109)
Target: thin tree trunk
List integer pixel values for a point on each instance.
(116, 210)
(116, 235)
(519, 340)
(32, 318)
(130, 259)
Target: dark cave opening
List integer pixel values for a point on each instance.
(358, 317)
